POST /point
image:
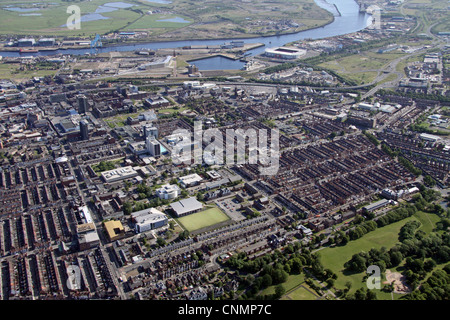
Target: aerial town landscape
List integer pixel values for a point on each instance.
(102, 196)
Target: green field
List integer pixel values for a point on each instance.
(13, 72)
(362, 68)
(209, 19)
(334, 258)
(203, 219)
(53, 16)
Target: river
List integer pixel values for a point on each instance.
(347, 19)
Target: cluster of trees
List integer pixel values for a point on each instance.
(280, 67)
(435, 288)
(362, 294)
(133, 206)
(144, 191)
(389, 151)
(104, 166)
(408, 231)
(429, 181)
(372, 138)
(396, 215)
(409, 166)
(274, 268)
(423, 127)
(380, 257)
(362, 229)
(414, 95)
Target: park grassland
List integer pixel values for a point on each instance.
(203, 219)
(334, 258)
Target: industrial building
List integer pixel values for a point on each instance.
(25, 42)
(46, 42)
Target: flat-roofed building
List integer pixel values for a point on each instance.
(186, 206)
(119, 174)
(190, 180)
(87, 236)
(376, 205)
(114, 230)
(26, 42)
(148, 219)
(429, 137)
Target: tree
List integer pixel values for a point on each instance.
(330, 282)
(266, 281)
(429, 181)
(348, 286)
(279, 291)
(396, 258)
(160, 241)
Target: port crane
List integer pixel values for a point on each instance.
(96, 43)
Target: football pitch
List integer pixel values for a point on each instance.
(202, 219)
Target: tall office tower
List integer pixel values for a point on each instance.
(153, 147)
(84, 130)
(82, 104)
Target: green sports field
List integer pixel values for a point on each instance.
(203, 219)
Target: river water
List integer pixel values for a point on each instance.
(347, 19)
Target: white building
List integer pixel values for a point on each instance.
(168, 191)
(285, 53)
(429, 137)
(148, 219)
(153, 147)
(119, 174)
